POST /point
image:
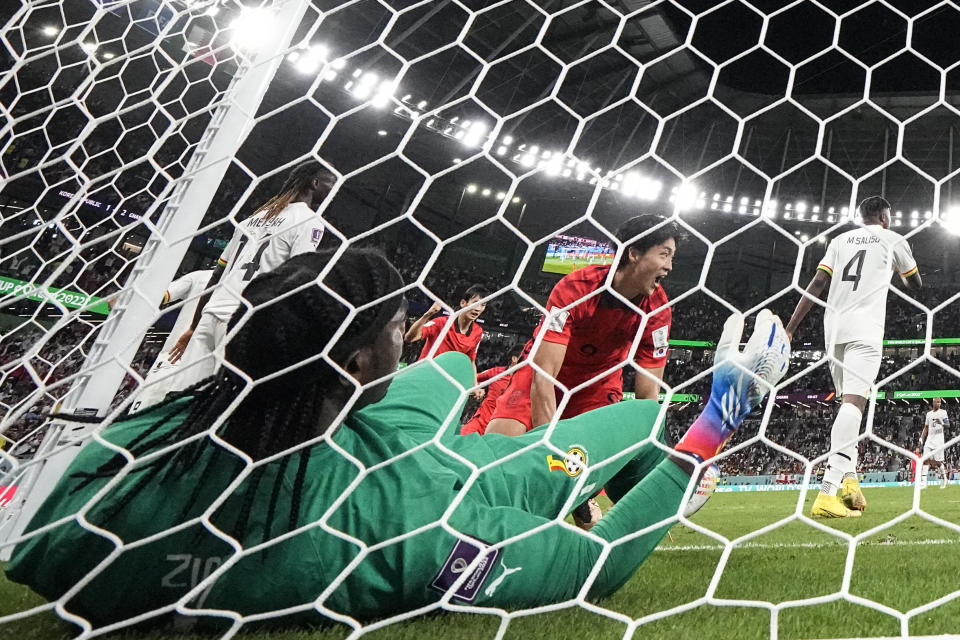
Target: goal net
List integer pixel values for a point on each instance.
(497, 145)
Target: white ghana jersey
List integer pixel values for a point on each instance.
(860, 263)
(188, 287)
(260, 246)
(936, 422)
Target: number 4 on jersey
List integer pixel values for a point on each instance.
(851, 272)
(250, 268)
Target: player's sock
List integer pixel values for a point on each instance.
(923, 475)
(832, 478)
(843, 443)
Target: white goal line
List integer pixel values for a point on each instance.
(809, 545)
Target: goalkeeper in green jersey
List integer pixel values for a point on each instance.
(335, 487)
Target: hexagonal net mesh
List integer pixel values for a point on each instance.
(288, 193)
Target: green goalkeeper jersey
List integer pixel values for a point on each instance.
(396, 512)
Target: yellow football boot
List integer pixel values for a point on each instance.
(831, 507)
(851, 495)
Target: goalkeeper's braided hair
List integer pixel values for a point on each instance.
(299, 181)
(291, 319)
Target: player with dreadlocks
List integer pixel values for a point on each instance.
(313, 489)
(284, 226)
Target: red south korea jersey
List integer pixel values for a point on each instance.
(453, 340)
(599, 330)
(494, 390)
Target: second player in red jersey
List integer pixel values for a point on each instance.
(478, 423)
(588, 333)
(463, 333)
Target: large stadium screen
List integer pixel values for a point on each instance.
(569, 253)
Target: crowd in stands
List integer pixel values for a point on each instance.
(509, 319)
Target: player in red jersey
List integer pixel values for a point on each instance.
(588, 331)
(463, 333)
(478, 423)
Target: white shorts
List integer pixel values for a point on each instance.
(933, 451)
(204, 353)
(854, 367)
(158, 383)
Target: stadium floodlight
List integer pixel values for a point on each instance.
(384, 93)
(422, 104)
(501, 195)
(913, 214)
(631, 183)
(310, 60)
(89, 47)
(744, 200)
(845, 210)
(527, 160)
(381, 132)
(363, 88)
(831, 219)
(109, 55)
(686, 196)
(816, 208)
(914, 223)
(466, 124)
(742, 209)
(338, 64)
(727, 207)
(804, 238)
(554, 166)
(701, 204)
(50, 31)
(507, 140)
(501, 150)
(252, 28)
(485, 193)
(651, 189)
(515, 200)
(815, 217)
(457, 161)
(471, 188)
(801, 207)
(476, 133)
(713, 206)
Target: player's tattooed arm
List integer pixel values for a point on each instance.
(415, 332)
(178, 349)
(814, 290)
(543, 400)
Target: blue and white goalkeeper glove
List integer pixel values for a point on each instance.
(740, 381)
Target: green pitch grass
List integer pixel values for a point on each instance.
(902, 567)
(555, 265)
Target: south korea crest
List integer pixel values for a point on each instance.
(573, 462)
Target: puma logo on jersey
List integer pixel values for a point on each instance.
(496, 583)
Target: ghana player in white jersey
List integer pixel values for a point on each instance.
(857, 266)
(285, 226)
(932, 440)
(160, 379)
